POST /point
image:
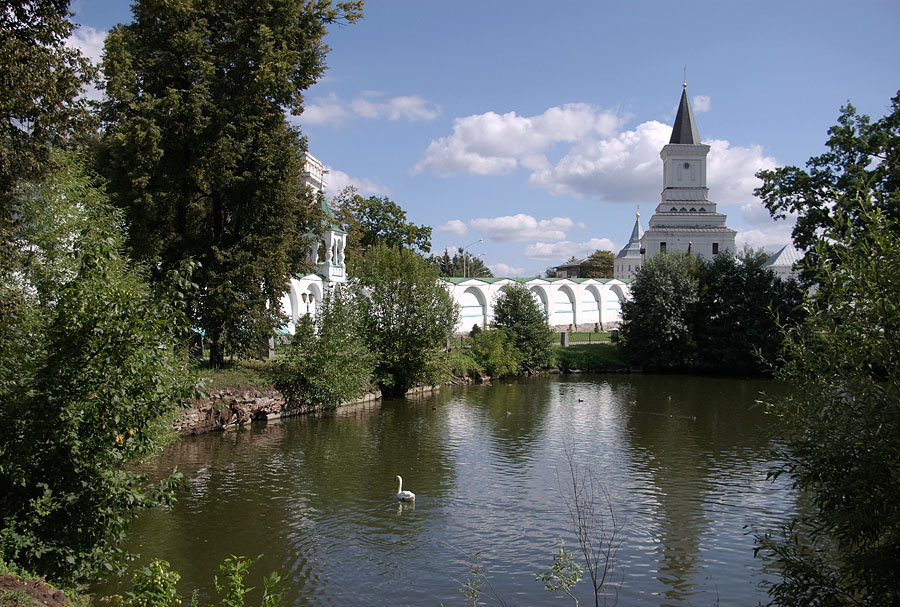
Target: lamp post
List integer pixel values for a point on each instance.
(466, 258)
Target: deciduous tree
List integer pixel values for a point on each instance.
(95, 380)
(522, 317)
(409, 317)
(600, 264)
(842, 422)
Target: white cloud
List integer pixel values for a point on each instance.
(90, 42)
(332, 110)
(454, 226)
(702, 103)
(492, 144)
(561, 251)
(503, 270)
(524, 228)
(601, 160)
(338, 180)
(773, 238)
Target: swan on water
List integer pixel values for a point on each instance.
(404, 496)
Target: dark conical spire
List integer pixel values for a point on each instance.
(685, 129)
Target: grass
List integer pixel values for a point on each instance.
(588, 336)
(590, 357)
(256, 374)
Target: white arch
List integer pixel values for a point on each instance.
(541, 296)
(590, 305)
(473, 308)
(563, 307)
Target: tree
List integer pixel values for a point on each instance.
(96, 381)
(523, 318)
(197, 148)
(863, 160)
(462, 263)
(376, 220)
(740, 309)
(41, 79)
(409, 317)
(329, 362)
(658, 330)
(600, 264)
(495, 352)
(842, 421)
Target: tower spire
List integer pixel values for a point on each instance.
(685, 129)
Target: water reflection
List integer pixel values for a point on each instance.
(683, 459)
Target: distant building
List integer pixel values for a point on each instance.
(570, 269)
(629, 258)
(784, 262)
(685, 219)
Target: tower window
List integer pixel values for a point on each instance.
(715, 248)
(662, 247)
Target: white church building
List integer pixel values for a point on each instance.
(685, 219)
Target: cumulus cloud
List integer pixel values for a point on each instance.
(702, 103)
(338, 180)
(372, 105)
(454, 226)
(600, 160)
(524, 228)
(563, 250)
(90, 42)
(493, 144)
(504, 270)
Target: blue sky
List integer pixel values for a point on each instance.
(536, 125)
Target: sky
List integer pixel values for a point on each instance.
(528, 132)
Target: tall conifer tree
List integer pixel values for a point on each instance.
(199, 152)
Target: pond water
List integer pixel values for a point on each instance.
(683, 462)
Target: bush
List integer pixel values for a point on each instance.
(328, 362)
(496, 352)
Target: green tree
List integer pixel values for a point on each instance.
(658, 319)
(522, 317)
(41, 78)
(842, 422)
(462, 263)
(199, 152)
(329, 362)
(95, 389)
(600, 264)
(740, 309)
(376, 221)
(862, 156)
(409, 317)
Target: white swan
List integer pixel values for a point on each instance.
(404, 496)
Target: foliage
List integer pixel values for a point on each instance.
(98, 374)
(198, 151)
(329, 362)
(155, 586)
(596, 357)
(462, 264)
(657, 331)
(739, 307)
(862, 155)
(461, 363)
(563, 575)
(41, 78)
(842, 421)
(408, 318)
(495, 352)
(376, 221)
(600, 264)
(522, 317)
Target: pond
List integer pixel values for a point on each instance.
(682, 462)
